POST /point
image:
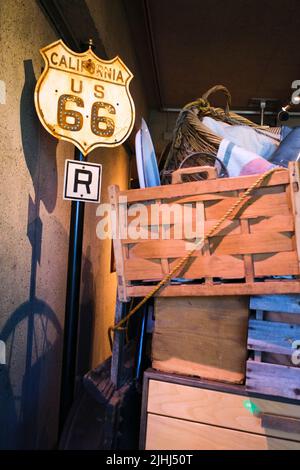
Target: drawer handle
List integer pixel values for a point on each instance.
(281, 423)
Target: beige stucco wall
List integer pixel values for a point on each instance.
(32, 275)
(34, 231)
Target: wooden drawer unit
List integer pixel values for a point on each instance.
(175, 434)
(187, 413)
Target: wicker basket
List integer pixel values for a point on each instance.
(194, 144)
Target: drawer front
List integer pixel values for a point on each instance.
(223, 409)
(165, 433)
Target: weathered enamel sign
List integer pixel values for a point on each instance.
(84, 99)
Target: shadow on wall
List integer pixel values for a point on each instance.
(32, 332)
(30, 380)
(87, 317)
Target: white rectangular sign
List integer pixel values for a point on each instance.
(82, 181)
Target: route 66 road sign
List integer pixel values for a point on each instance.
(84, 99)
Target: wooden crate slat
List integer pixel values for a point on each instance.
(273, 379)
(276, 303)
(276, 264)
(202, 187)
(150, 230)
(118, 248)
(256, 288)
(143, 269)
(215, 266)
(262, 242)
(230, 245)
(268, 205)
(294, 187)
(248, 262)
(272, 337)
(277, 223)
(226, 194)
(225, 266)
(264, 206)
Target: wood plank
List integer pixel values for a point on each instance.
(282, 317)
(277, 223)
(273, 379)
(118, 248)
(164, 261)
(229, 245)
(226, 194)
(205, 337)
(203, 187)
(276, 264)
(203, 197)
(259, 315)
(251, 243)
(151, 232)
(143, 269)
(165, 433)
(294, 170)
(268, 205)
(226, 267)
(249, 268)
(206, 255)
(274, 337)
(191, 290)
(228, 410)
(276, 303)
(215, 266)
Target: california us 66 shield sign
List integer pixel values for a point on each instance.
(83, 99)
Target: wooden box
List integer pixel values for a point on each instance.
(201, 336)
(274, 343)
(190, 414)
(259, 242)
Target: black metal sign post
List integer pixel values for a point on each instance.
(72, 307)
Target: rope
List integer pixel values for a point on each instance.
(184, 260)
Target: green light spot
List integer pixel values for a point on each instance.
(251, 407)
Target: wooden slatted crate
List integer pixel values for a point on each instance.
(273, 339)
(260, 241)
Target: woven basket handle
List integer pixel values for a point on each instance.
(217, 88)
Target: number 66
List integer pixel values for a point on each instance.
(63, 114)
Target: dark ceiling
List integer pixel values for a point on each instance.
(186, 46)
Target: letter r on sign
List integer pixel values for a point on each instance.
(82, 181)
(87, 182)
